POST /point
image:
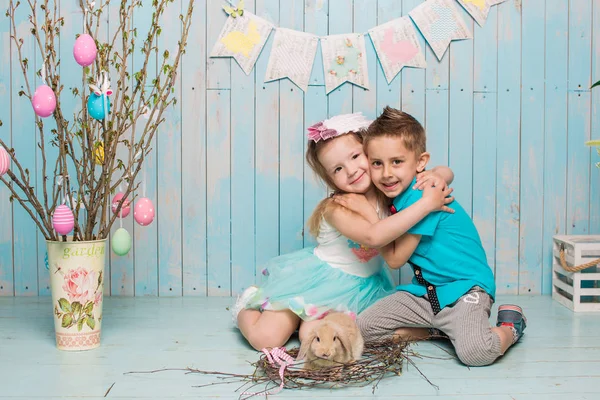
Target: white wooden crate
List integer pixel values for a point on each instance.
(579, 291)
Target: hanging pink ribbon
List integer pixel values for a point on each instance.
(275, 356)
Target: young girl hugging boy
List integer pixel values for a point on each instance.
(453, 287)
(344, 272)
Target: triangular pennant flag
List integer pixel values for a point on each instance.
(292, 56)
(440, 23)
(397, 46)
(242, 38)
(344, 60)
(479, 9)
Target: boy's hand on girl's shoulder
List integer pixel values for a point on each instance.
(430, 178)
(438, 197)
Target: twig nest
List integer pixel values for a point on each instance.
(143, 211)
(43, 101)
(63, 220)
(121, 242)
(85, 50)
(4, 161)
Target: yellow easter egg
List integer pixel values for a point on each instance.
(99, 152)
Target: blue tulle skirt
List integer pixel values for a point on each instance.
(303, 283)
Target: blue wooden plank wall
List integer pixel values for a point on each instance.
(508, 111)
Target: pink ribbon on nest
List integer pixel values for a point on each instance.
(276, 356)
(319, 131)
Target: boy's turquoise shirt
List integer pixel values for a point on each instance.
(450, 253)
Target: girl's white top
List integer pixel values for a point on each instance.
(343, 253)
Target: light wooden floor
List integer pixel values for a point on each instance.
(559, 357)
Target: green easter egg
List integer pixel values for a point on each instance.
(121, 242)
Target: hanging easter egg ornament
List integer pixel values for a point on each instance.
(125, 208)
(4, 161)
(98, 104)
(143, 211)
(63, 220)
(99, 153)
(85, 50)
(43, 101)
(121, 242)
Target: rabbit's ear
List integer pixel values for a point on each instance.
(305, 345)
(344, 339)
(95, 89)
(108, 92)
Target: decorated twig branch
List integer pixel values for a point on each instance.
(87, 170)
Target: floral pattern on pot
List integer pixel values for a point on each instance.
(84, 291)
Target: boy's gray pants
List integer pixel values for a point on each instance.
(466, 323)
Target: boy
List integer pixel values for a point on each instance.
(453, 287)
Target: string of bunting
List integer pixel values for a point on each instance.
(396, 43)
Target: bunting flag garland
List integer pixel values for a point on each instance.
(440, 23)
(292, 56)
(242, 38)
(397, 46)
(479, 9)
(344, 60)
(396, 43)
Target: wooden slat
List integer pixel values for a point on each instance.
(145, 242)
(507, 147)
(291, 145)
(193, 157)
(365, 17)
(555, 137)
(460, 109)
(168, 201)
(266, 187)
(413, 99)
(23, 141)
(242, 176)
(532, 159)
(315, 108)
(218, 195)
(6, 228)
(579, 100)
(485, 102)
(122, 267)
(218, 69)
(595, 125)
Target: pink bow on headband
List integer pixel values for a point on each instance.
(320, 132)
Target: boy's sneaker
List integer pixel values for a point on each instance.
(512, 316)
(241, 302)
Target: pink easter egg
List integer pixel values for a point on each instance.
(43, 101)
(63, 220)
(4, 161)
(125, 208)
(143, 211)
(85, 50)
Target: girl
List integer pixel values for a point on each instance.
(344, 272)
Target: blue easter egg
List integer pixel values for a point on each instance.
(95, 105)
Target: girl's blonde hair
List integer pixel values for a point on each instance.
(325, 205)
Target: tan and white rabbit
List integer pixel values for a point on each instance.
(335, 339)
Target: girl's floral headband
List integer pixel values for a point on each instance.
(338, 125)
